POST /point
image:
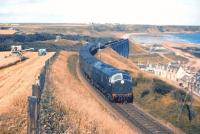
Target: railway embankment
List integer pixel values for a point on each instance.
(81, 112)
(157, 97)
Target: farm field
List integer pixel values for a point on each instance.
(7, 60)
(65, 42)
(15, 85)
(7, 32)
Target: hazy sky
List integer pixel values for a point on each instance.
(160, 12)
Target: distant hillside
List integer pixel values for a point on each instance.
(95, 29)
(143, 28)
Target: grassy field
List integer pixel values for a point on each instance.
(16, 85)
(175, 57)
(71, 63)
(148, 58)
(163, 101)
(7, 32)
(136, 48)
(16, 120)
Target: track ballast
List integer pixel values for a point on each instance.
(138, 118)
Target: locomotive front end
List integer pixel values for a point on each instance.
(121, 84)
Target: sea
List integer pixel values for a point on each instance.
(193, 38)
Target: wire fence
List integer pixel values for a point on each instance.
(34, 100)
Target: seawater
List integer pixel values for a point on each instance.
(193, 38)
(190, 37)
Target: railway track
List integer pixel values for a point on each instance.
(144, 122)
(132, 114)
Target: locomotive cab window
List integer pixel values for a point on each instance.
(127, 77)
(116, 77)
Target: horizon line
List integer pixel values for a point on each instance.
(90, 23)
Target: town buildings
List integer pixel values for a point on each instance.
(186, 77)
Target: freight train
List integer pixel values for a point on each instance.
(113, 83)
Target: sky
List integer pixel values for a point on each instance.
(152, 12)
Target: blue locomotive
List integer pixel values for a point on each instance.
(114, 83)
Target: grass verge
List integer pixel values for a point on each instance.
(175, 57)
(148, 58)
(165, 103)
(15, 122)
(72, 63)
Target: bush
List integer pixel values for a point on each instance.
(179, 95)
(134, 84)
(142, 79)
(4, 47)
(144, 93)
(161, 87)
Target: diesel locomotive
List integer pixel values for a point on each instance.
(115, 84)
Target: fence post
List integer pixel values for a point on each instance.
(32, 115)
(41, 79)
(36, 91)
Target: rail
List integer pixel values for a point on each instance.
(141, 120)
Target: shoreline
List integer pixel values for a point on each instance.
(161, 35)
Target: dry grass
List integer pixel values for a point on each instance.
(191, 60)
(7, 32)
(136, 48)
(149, 59)
(157, 105)
(165, 107)
(85, 114)
(72, 65)
(175, 57)
(6, 60)
(111, 57)
(15, 85)
(15, 121)
(167, 100)
(66, 42)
